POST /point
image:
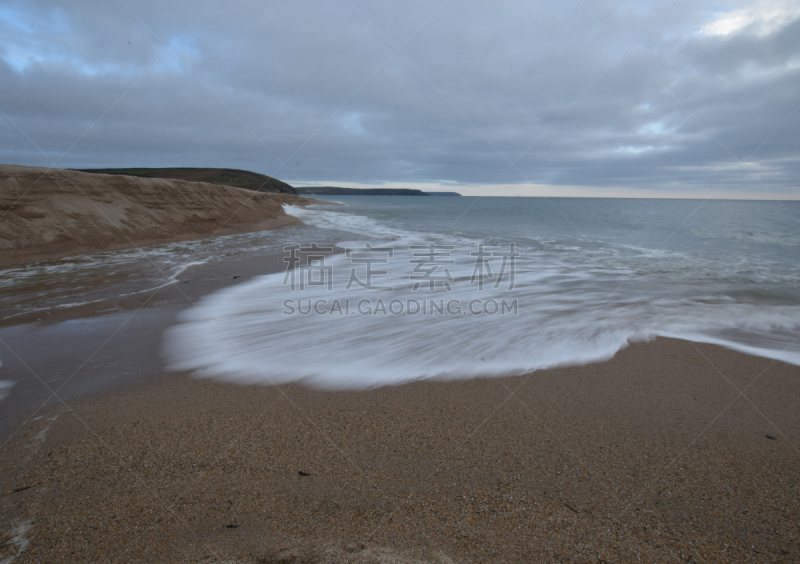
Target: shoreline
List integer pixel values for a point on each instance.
(120, 336)
(207, 278)
(51, 213)
(651, 455)
(652, 449)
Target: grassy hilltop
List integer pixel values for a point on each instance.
(220, 176)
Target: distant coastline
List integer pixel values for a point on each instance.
(338, 191)
(255, 181)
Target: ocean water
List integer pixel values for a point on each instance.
(84, 279)
(447, 288)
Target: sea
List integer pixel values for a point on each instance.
(384, 290)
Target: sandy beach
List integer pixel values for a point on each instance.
(670, 452)
(375, 282)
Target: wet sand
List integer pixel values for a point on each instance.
(653, 456)
(108, 344)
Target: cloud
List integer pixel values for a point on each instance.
(761, 18)
(656, 96)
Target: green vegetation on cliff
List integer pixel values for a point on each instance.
(220, 176)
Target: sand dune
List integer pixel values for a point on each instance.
(49, 213)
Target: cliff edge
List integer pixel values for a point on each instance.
(51, 213)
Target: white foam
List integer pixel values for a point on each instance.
(351, 222)
(571, 310)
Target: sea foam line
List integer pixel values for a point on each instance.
(569, 313)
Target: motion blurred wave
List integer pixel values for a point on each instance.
(588, 280)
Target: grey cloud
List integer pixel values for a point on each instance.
(474, 87)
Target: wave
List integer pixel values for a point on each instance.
(570, 302)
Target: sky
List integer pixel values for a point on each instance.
(642, 98)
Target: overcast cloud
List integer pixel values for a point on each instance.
(580, 96)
